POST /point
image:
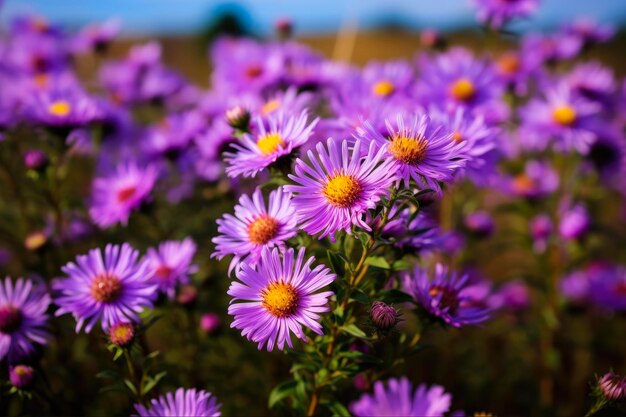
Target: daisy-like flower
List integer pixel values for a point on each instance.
(497, 13)
(421, 150)
(340, 186)
(23, 318)
(279, 297)
(170, 264)
(117, 194)
(447, 296)
(182, 403)
(112, 288)
(561, 117)
(538, 180)
(397, 398)
(275, 137)
(68, 107)
(255, 226)
(384, 80)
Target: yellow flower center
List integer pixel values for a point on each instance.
(280, 299)
(457, 137)
(410, 151)
(106, 288)
(463, 89)
(269, 143)
(508, 63)
(262, 230)
(383, 88)
(342, 191)
(564, 115)
(59, 108)
(270, 107)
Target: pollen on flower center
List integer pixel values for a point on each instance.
(463, 89)
(59, 108)
(383, 88)
(342, 190)
(262, 230)
(457, 137)
(269, 143)
(508, 63)
(163, 272)
(270, 107)
(448, 297)
(124, 194)
(254, 71)
(523, 183)
(564, 115)
(106, 288)
(10, 319)
(280, 299)
(410, 151)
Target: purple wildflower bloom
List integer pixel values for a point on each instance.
(540, 49)
(561, 117)
(69, 107)
(170, 264)
(575, 222)
(599, 284)
(277, 136)
(182, 403)
(397, 398)
(538, 180)
(447, 296)
(289, 102)
(608, 156)
(513, 295)
(480, 223)
(589, 31)
(23, 318)
(388, 79)
(112, 288)
(303, 67)
(255, 226)
(497, 13)
(413, 233)
(458, 79)
(96, 37)
(279, 297)
(477, 141)
(117, 194)
(422, 150)
(612, 386)
(594, 82)
(340, 186)
(516, 70)
(173, 133)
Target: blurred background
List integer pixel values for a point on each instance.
(352, 30)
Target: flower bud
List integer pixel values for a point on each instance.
(383, 316)
(122, 334)
(210, 323)
(35, 159)
(612, 386)
(430, 38)
(238, 118)
(21, 376)
(284, 28)
(187, 295)
(480, 223)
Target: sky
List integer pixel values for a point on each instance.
(309, 16)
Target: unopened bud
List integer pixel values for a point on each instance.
(384, 316)
(22, 376)
(122, 334)
(238, 118)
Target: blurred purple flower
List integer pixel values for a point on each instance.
(182, 403)
(170, 264)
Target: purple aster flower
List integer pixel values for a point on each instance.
(340, 186)
(422, 151)
(23, 318)
(255, 226)
(598, 284)
(419, 233)
(290, 102)
(540, 231)
(589, 31)
(447, 296)
(575, 222)
(279, 297)
(170, 264)
(182, 403)
(607, 155)
(397, 398)
(96, 37)
(538, 180)
(480, 223)
(384, 80)
(612, 386)
(478, 143)
(174, 133)
(497, 13)
(21, 376)
(64, 108)
(560, 117)
(513, 295)
(516, 70)
(594, 82)
(277, 136)
(117, 194)
(112, 288)
(542, 49)
(458, 79)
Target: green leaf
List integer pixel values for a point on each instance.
(152, 382)
(378, 262)
(113, 387)
(354, 330)
(360, 297)
(282, 391)
(337, 409)
(401, 265)
(130, 386)
(108, 374)
(119, 352)
(336, 263)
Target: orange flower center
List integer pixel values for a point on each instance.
(270, 107)
(106, 288)
(280, 299)
(410, 151)
(523, 183)
(564, 115)
(59, 108)
(262, 230)
(383, 88)
(457, 137)
(342, 191)
(463, 89)
(508, 63)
